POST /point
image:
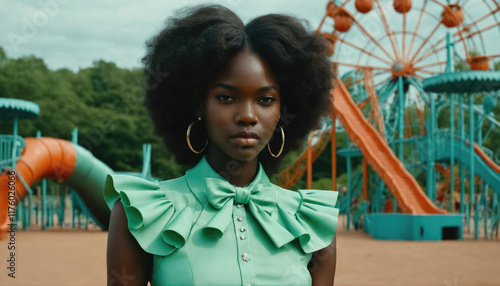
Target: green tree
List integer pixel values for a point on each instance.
(103, 101)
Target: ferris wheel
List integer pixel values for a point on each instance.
(401, 38)
(376, 43)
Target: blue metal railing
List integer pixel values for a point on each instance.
(442, 143)
(10, 150)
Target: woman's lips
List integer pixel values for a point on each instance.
(245, 138)
(245, 141)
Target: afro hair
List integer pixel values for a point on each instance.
(192, 48)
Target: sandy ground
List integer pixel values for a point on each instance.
(77, 257)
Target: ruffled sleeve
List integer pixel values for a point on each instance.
(157, 225)
(313, 224)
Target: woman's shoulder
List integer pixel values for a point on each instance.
(156, 212)
(128, 187)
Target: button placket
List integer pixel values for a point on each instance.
(245, 260)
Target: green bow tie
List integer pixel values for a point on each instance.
(221, 192)
(261, 201)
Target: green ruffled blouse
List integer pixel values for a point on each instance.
(204, 231)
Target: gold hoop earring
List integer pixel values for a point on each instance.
(188, 137)
(282, 144)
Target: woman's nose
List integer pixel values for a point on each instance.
(246, 114)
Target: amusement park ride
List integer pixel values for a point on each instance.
(395, 60)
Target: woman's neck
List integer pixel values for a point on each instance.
(237, 173)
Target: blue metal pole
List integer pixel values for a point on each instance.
(461, 134)
(429, 171)
(62, 206)
(452, 148)
(52, 206)
(14, 147)
(495, 214)
(448, 53)
(37, 209)
(44, 203)
(485, 208)
(401, 122)
(480, 132)
(431, 184)
(31, 208)
(471, 167)
(15, 127)
(21, 212)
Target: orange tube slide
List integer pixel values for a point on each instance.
(41, 158)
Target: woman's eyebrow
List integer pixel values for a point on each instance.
(268, 88)
(231, 87)
(227, 86)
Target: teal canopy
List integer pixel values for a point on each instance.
(463, 82)
(11, 108)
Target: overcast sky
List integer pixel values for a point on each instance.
(75, 33)
(72, 34)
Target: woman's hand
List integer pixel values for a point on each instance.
(127, 263)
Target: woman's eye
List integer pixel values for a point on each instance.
(267, 99)
(224, 97)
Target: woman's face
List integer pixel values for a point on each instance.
(242, 108)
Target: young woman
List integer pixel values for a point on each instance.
(231, 100)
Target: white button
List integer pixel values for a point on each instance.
(242, 238)
(249, 284)
(240, 205)
(245, 257)
(240, 219)
(242, 229)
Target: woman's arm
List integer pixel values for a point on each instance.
(322, 265)
(127, 262)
